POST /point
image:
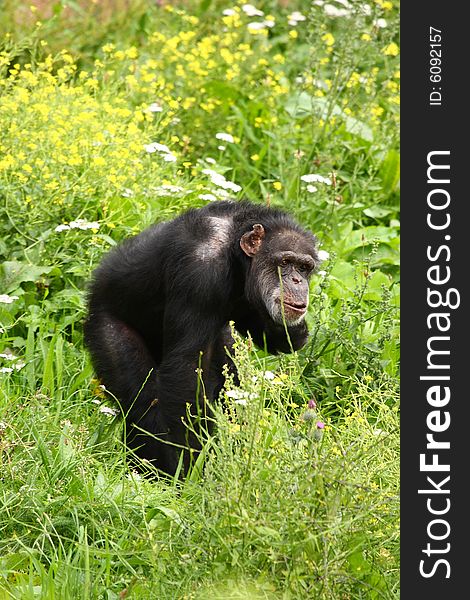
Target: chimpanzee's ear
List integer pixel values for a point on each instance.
(250, 242)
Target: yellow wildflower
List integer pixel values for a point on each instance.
(328, 38)
(391, 50)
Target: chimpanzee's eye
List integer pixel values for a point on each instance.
(284, 262)
(305, 268)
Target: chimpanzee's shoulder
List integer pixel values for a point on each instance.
(245, 211)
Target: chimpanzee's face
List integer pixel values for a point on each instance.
(288, 298)
(280, 271)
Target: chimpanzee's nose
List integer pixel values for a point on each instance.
(296, 279)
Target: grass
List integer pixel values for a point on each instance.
(298, 497)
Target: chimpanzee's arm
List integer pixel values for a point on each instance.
(189, 343)
(278, 340)
(273, 336)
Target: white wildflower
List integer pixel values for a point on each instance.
(312, 178)
(16, 366)
(230, 185)
(211, 173)
(333, 11)
(323, 255)
(220, 193)
(211, 161)
(295, 18)
(240, 397)
(381, 23)
(256, 26)
(62, 227)
(209, 197)
(225, 137)
(175, 189)
(83, 224)
(169, 157)
(6, 370)
(6, 299)
(321, 273)
(107, 410)
(234, 394)
(252, 11)
(229, 12)
(269, 23)
(312, 188)
(219, 180)
(241, 402)
(269, 375)
(127, 193)
(222, 148)
(156, 147)
(154, 108)
(168, 189)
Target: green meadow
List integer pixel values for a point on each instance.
(115, 115)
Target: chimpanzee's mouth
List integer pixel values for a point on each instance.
(298, 308)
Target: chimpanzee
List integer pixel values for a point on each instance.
(160, 304)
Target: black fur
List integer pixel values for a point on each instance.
(157, 301)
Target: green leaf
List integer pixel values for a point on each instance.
(204, 6)
(170, 513)
(356, 127)
(375, 285)
(6, 317)
(48, 381)
(384, 254)
(30, 367)
(358, 563)
(301, 105)
(390, 171)
(367, 235)
(377, 212)
(13, 273)
(222, 90)
(265, 531)
(341, 279)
